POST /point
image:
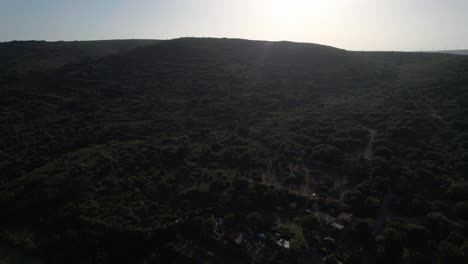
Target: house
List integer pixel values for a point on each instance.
(326, 218)
(337, 226)
(345, 218)
(239, 239)
(324, 260)
(283, 243)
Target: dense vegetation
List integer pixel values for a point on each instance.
(153, 152)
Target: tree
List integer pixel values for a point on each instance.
(413, 257)
(327, 153)
(390, 245)
(416, 236)
(461, 210)
(217, 185)
(310, 222)
(438, 223)
(209, 226)
(299, 245)
(355, 198)
(458, 190)
(464, 250)
(449, 253)
(418, 205)
(255, 219)
(330, 259)
(201, 227)
(362, 229)
(372, 205)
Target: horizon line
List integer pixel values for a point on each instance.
(233, 38)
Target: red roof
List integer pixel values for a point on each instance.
(345, 216)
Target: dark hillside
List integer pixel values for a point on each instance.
(174, 152)
(22, 56)
(458, 52)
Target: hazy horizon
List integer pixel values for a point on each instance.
(348, 24)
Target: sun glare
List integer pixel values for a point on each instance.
(284, 8)
(295, 10)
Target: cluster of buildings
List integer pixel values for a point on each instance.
(254, 244)
(339, 222)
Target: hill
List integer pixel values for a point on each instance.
(458, 52)
(24, 56)
(212, 150)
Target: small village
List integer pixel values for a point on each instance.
(274, 242)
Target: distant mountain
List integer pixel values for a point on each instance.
(458, 52)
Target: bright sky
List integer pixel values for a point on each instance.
(349, 24)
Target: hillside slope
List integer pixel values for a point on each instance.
(458, 52)
(22, 56)
(134, 156)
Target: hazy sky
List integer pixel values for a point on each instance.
(349, 24)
